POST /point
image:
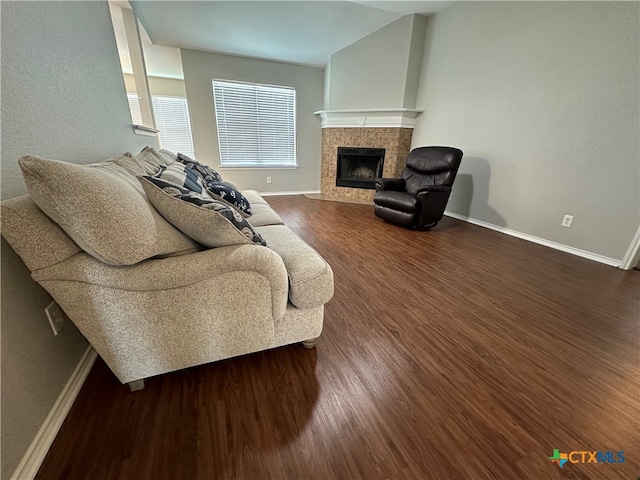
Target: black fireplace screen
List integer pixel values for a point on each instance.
(359, 167)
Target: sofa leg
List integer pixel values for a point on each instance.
(136, 385)
(310, 343)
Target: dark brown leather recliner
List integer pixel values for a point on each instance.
(419, 198)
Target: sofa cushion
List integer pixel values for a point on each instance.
(102, 209)
(204, 171)
(179, 174)
(263, 215)
(228, 194)
(310, 277)
(38, 240)
(151, 159)
(210, 222)
(254, 197)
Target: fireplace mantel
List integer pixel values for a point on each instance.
(369, 118)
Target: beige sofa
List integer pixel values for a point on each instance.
(188, 308)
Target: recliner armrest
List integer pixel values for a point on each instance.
(395, 184)
(433, 200)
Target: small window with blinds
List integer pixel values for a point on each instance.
(172, 121)
(256, 124)
(134, 107)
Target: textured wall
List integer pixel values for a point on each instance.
(199, 70)
(543, 99)
(63, 97)
(61, 87)
(372, 72)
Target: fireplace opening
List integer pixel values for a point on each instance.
(359, 167)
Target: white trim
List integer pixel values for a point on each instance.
(37, 451)
(273, 194)
(145, 131)
(632, 256)
(258, 167)
(369, 118)
(540, 241)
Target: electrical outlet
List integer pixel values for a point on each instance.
(567, 221)
(268, 179)
(56, 316)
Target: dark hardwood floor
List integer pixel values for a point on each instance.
(458, 353)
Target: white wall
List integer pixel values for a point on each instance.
(543, 99)
(326, 94)
(172, 87)
(414, 60)
(380, 70)
(201, 67)
(63, 97)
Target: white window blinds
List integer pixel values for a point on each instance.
(256, 124)
(172, 119)
(134, 106)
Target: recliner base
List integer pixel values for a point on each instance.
(394, 216)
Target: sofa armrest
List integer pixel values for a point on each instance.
(396, 184)
(175, 272)
(168, 314)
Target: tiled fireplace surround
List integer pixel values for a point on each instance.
(395, 141)
(394, 135)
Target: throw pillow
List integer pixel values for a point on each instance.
(225, 192)
(179, 174)
(205, 172)
(209, 222)
(100, 208)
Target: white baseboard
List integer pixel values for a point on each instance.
(540, 241)
(37, 451)
(273, 194)
(633, 253)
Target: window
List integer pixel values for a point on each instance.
(134, 106)
(256, 124)
(172, 119)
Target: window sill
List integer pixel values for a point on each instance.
(145, 131)
(258, 167)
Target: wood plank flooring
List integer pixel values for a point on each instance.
(458, 353)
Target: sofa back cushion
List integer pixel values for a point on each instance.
(103, 208)
(37, 239)
(151, 160)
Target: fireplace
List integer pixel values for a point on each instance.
(359, 167)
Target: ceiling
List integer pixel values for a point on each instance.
(300, 32)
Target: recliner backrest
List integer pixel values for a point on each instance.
(431, 166)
